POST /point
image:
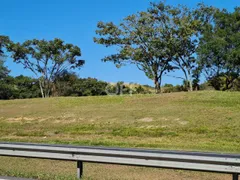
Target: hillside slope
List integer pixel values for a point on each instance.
(206, 120)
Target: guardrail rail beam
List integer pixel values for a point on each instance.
(194, 161)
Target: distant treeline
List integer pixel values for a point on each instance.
(199, 42)
(68, 84)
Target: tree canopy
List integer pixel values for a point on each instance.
(162, 39)
(219, 49)
(140, 41)
(46, 59)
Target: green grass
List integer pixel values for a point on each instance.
(201, 121)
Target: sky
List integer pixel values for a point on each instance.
(74, 21)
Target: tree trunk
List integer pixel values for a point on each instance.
(160, 83)
(188, 78)
(190, 81)
(190, 85)
(227, 83)
(47, 90)
(41, 88)
(157, 85)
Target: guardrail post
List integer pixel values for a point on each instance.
(79, 169)
(235, 176)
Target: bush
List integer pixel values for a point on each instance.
(169, 88)
(89, 87)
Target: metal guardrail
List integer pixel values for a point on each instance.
(196, 161)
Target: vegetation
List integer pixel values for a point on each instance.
(173, 121)
(158, 41)
(46, 59)
(165, 38)
(219, 50)
(66, 84)
(169, 121)
(142, 41)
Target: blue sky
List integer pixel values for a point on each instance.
(75, 22)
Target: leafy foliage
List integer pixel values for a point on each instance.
(26, 87)
(6, 89)
(158, 41)
(89, 87)
(4, 40)
(142, 41)
(46, 59)
(219, 50)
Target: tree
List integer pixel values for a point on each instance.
(183, 26)
(6, 85)
(158, 41)
(141, 40)
(185, 44)
(89, 87)
(46, 59)
(4, 40)
(3, 70)
(26, 87)
(219, 49)
(64, 83)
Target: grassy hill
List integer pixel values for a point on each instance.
(202, 121)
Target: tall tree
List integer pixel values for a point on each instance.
(4, 71)
(219, 50)
(140, 40)
(4, 42)
(6, 82)
(160, 40)
(186, 31)
(46, 59)
(183, 27)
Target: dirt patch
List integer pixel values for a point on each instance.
(63, 121)
(28, 119)
(181, 122)
(68, 115)
(146, 119)
(16, 119)
(92, 120)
